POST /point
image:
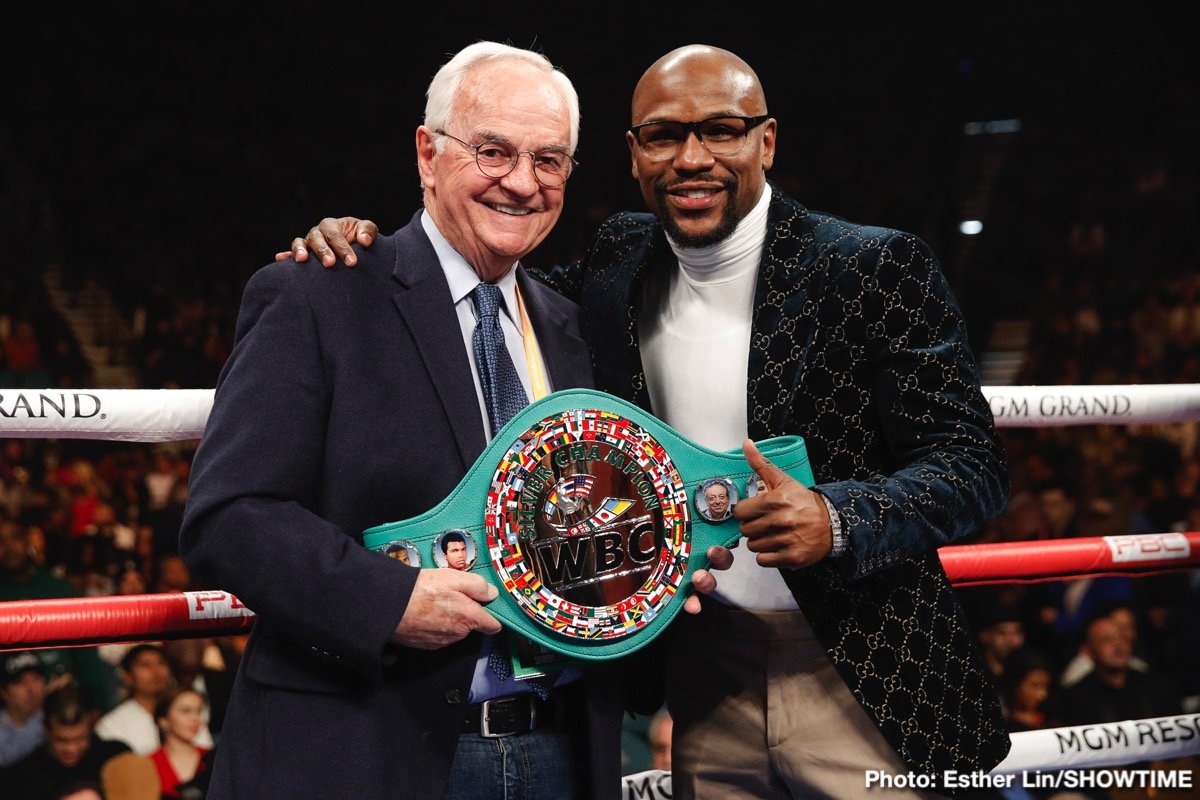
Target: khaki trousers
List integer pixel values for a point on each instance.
(760, 712)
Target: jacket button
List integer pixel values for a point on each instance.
(454, 696)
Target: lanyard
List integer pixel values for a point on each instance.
(533, 356)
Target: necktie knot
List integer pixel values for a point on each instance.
(488, 300)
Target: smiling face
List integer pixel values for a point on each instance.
(716, 497)
(493, 222)
(701, 197)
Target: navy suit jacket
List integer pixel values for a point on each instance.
(857, 344)
(348, 401)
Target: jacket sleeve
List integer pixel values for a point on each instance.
(250, 525)
(948, 473)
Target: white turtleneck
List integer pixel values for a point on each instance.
(695, 345)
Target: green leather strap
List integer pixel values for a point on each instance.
(583, 512)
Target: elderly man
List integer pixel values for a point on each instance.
(716, 501)
(355, 398)
(840, 647)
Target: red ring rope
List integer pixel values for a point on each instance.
(78, 621)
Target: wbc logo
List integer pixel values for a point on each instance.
(587, 524)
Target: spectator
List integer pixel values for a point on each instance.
(1113, 691)
(1122, 614)
(660, 740)
(21, 578)
(147, 674)
(1026, 691)
(72, 752)
(180, 718)
(22, 690)
(1000, 630)
(24, 356)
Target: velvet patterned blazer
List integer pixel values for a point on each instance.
(859, 346)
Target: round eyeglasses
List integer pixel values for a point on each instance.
(496, 158)
(723, 136)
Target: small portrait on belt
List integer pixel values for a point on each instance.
(755, 484)
(454, 549)
(403, 551)
(715, 499)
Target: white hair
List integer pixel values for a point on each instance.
(443, 89)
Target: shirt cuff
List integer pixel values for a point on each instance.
(835, 528)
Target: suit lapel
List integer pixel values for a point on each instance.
(424, 301)
(565, 353)
(783, 274)
(657, 260)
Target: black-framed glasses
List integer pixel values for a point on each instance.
(496, 158)
(723, 136)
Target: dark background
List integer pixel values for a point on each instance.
(185, 143)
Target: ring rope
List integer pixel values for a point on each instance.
(162, 415)
(1063, 559)
(79, 621)
(1103, 744)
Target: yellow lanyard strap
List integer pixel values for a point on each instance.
(533, 356)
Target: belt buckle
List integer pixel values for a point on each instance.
(506, 710)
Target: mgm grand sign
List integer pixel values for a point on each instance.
(590, 516)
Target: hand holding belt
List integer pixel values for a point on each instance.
(590, 516)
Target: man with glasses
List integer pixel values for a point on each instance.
(357, 398)
(839, 647)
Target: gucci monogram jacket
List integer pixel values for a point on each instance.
(859, 346)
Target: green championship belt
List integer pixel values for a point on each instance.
(592, 516)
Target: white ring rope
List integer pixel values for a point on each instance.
(128, 415)
(1103, 744)
(163, 415)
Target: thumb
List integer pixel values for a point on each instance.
(771, 475)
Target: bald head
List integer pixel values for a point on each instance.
(704, 69)
(701, 196)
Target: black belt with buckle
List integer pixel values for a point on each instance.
(509, 716)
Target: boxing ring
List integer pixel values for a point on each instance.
(135, 415)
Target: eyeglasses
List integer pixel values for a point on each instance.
(723, 136)
(497, 158)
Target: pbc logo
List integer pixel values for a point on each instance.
(1148, 547)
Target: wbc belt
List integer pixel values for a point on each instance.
(590, 516)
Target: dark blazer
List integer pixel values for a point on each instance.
(859, 346)
(348, 402)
